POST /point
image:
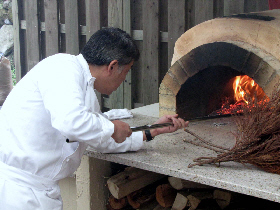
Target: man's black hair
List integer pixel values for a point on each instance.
(108, 44)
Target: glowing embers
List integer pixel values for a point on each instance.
(246, 93)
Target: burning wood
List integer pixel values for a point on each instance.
(243, 87)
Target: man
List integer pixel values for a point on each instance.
(55, 101)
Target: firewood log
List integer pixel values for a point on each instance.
(165, 195)
(140, 197)
(222, 197)
(149, 205)
(181, 201)
(180, 184)
(195, 198)
(159, 207)
(130, 180)
(117, 203)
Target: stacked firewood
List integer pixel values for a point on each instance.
(139, 189)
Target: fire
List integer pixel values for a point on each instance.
(245, 89)
(243, 85)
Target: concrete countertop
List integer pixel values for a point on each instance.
(169, 154)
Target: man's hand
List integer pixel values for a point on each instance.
(178, 123)
(121, 131)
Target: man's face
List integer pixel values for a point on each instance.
(118, 76)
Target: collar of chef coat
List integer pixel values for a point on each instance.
(91, 101)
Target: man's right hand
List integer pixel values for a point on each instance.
(121, 131)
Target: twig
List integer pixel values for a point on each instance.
(204, 141)
(201, 145)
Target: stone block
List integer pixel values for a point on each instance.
(167, 101)
(171, 84)
(163, 111)
(178, 72)
(263, 74)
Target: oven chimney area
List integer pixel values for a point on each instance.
(208, 57)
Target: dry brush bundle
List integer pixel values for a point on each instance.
(257, 139)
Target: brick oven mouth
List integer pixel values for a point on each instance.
(208, 56)
(198, 83)
(211, 92)
(205, 92)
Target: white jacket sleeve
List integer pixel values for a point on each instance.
(63, 93)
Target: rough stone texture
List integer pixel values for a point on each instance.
(172, 84)
(167, 101)
(6, 16)
(6, 84)
(178, 73)
(6, 40)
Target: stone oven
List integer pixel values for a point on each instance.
(208, 56)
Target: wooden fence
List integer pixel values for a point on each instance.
(45, 27)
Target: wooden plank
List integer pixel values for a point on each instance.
(32, 34)
(218, 8)
(137, 35)
(150, 80)
(17, 46)
(51, 27)
(203, 10)
(127, 92)
(176, 24)
(255, 5)
(71, 27)
(93, 24)
(190, 18)
(93, 19)
(61, 7)
(115, 19)
(233, 7)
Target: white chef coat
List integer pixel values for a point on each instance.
(53, 102)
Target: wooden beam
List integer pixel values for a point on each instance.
(32, 32)
(115, 19)
(218, 10)
(150, 80)
(255, 5)
(93, 20)
(176, 24)
(203, 10)
(72, 27)
(17, 46)
(127, 91)
(93, 24)
(233, 7)
(51, 27)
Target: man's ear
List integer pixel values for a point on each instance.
(113, 65)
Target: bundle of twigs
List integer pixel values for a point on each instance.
(257, 138)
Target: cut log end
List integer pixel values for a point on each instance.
(165, 195)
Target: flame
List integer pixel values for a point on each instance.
(243, 85)
(244, 88)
